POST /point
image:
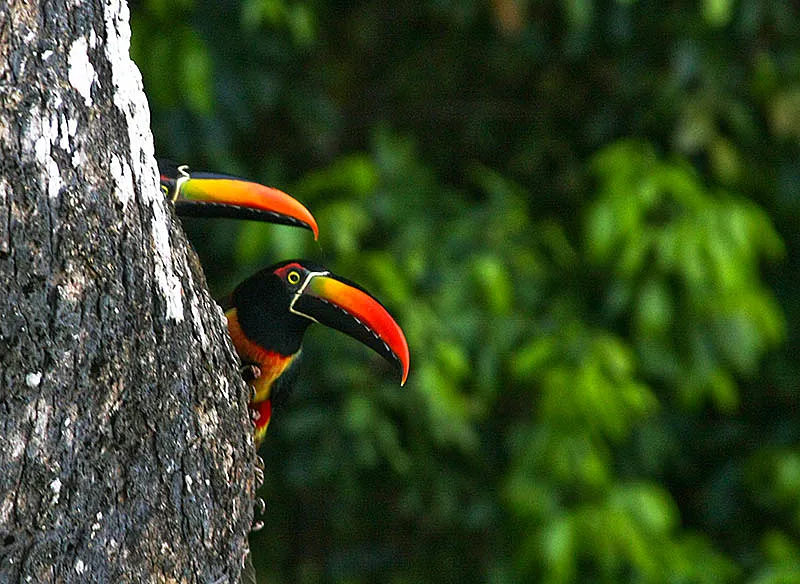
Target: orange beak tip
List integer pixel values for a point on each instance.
(405, 361)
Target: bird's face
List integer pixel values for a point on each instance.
(172, 177)
(287, 297)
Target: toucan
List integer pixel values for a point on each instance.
(205, 194)
(269, 312)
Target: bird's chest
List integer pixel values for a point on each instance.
(271, 363)
(272, 367)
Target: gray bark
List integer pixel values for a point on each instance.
(125, 445)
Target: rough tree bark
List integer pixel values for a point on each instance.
(125, 445)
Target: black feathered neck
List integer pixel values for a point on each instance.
(262, 307)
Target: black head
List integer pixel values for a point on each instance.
(262, 305)
(276, 305)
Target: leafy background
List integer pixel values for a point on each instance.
(584, 215)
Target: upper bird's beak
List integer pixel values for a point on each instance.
(202, 194)
(344, 306)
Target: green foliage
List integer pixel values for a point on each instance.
(175, 60)
(686, 261)
(584, 215)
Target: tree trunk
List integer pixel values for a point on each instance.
(125, 445)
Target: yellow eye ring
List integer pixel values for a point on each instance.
(293, 277)
(164, 189)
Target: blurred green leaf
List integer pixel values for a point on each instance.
(196, 74)
(494, 281)
(530, 358)
(718, 12)
(574, 211)
(354, 175)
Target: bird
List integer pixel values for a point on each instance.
(269, 313)
(206, 194)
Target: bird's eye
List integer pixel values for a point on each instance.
(293, 277)
(165, 189)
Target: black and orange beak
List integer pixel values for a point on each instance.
(346, 307)
(203, 194)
